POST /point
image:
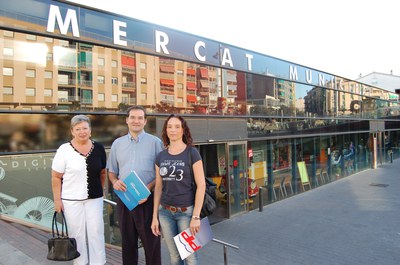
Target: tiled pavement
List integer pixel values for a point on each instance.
(355, 220)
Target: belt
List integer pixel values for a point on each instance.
(175, 209)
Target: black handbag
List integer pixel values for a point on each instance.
(209, 203)
(61, 246)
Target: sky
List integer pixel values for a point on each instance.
(347, 38)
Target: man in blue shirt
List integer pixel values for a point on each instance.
(136, 151)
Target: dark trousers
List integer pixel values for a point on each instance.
(134, 224)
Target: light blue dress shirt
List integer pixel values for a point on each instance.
(127, 155)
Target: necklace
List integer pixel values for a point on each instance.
(83, 149)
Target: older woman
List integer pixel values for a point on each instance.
(78, 176)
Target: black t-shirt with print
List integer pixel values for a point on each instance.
(178, 188)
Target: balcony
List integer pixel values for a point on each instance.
(126, 69)
(62, 100)
(86, 83)
(129, 101)
(85, 65)
(70, 99)
(73, 98)
(71, 66)
(129, 85)
(87, 101)
(66, 82)
(85, 48)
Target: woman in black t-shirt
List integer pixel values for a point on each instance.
(177, 204)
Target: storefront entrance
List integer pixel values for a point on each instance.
(237, 181)
(220, 161)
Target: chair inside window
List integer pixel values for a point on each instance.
(324, 175)
(287, 181)
(277, 185)
(318, 177)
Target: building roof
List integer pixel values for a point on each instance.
(382, 80)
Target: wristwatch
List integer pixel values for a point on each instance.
(196, 217)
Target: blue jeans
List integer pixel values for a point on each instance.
(171, 225)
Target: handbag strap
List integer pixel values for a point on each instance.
(63, 223)
(190, 163)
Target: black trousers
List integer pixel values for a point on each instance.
(134, 224)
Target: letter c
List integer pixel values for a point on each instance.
(197, 51)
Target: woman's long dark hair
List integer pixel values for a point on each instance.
(187, 136)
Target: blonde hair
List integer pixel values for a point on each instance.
(78, 119)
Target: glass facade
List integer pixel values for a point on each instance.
(266, 128)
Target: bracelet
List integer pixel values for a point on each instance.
(196, 217)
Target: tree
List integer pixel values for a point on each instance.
(123, 107)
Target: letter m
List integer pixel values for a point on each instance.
(70, 19)
(293, 73)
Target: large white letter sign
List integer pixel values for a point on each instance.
(197, 51)
(321, 80)
(293, 73)
(308, 76)
(119, 33)
(70, 18)
(161, 42)
(249, 61)
(226, 58)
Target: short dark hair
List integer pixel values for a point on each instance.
(187, 136)
(136, 107)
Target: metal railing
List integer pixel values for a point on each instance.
(225, 248)
(113, 203)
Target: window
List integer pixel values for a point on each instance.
(100, 97)
(114, 98)
(142, 65)
(48, 92)
(48, 74)
(30, 37)
(100, 79)
(143, 96)
(63, 79)
(30, 92)
(179, 72)
(62, 96)
(143, 80)
(30, 73)
(8, 71)
(114, 63)
(8, 51)
(114, 80)
(7, 90)
(49, 40)
(100, 62)
(179, 86)
(7, 33)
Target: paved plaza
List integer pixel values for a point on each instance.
(352, 221)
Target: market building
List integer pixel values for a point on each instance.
(276, 128)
